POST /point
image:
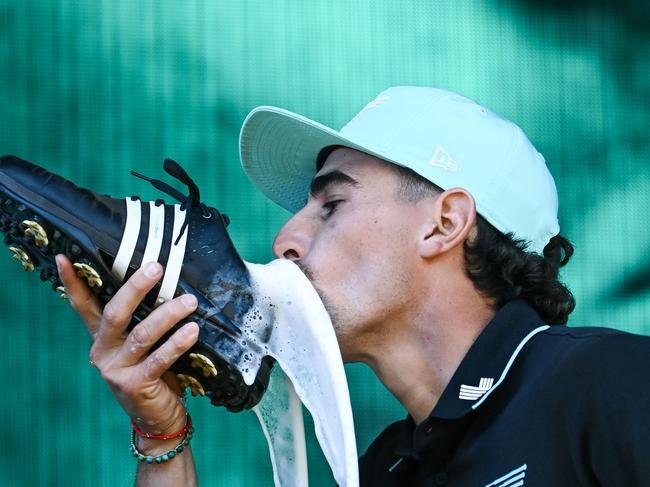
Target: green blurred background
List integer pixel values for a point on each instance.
(94, 88)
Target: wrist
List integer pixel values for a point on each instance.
(149, 444)
(173, 423)
(162, 456)
(152, 448)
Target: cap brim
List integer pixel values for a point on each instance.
(278, 151)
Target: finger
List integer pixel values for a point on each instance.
(84, 302)
(118, 311)
(164, 356)
(146, 333)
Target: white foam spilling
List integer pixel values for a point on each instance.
(280, 414)
(303, 342)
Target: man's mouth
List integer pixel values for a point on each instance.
(311, 276)
(305, 270)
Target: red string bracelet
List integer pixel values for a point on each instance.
(171, 436)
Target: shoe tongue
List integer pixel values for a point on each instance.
(304, 344)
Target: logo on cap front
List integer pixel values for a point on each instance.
(442, 159)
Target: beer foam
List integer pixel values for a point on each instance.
(290, 323)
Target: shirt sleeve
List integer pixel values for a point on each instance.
(609, 420)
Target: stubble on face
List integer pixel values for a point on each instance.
(329, 307)
(342, 329)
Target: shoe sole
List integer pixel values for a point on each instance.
(35, 237)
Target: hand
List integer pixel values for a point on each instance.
(136, 375)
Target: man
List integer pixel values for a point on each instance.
(430, 232)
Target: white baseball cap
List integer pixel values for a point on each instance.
(444, 137)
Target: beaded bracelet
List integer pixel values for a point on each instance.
(164, 457)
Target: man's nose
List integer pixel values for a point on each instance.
(293, 240)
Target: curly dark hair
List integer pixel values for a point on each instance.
(502, 271)
(499, 265)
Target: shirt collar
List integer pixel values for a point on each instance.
(482, 370)
(488, 360)
(490, 357)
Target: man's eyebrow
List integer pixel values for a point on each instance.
(319, 183)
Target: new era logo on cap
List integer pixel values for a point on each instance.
(441, 158)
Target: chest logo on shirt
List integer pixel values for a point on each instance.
(472, 393)
(512, 479)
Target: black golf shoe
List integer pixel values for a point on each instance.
(107, 239)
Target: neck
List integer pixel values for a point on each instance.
(423, 354)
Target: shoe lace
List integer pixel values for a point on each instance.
(192, 200)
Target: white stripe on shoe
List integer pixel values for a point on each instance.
(129, 238)
(175, 259)
(156, 232)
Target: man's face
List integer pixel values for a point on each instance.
(356, 242)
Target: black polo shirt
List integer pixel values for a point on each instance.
(529, 405)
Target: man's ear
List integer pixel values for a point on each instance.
(451, 219)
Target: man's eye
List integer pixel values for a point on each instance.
(330, 207)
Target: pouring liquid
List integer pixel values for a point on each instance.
(290, 323)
